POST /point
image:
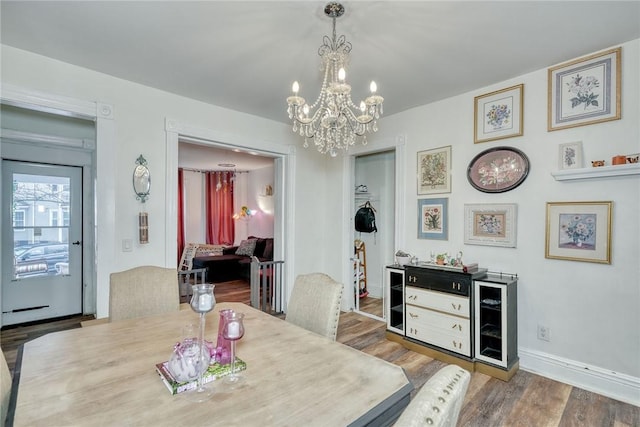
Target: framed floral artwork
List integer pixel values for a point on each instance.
(432, 219)
(499, 114)
(570, 155)
(434, 171)
(490, 225)
(498, 169)
(585, 91)
(579, 231)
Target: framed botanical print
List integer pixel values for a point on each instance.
(585, 91)
(432, 219)
(434, 171)
(570, 155)
(499, 114)
(490, 225)
(579, 231)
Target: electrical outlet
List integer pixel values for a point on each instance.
(544, 333)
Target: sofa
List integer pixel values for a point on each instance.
(235, 261)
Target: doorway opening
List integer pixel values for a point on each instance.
(374, 185)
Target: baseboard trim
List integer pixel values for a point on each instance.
(592, 378)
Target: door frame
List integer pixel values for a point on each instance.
(348, 167)
(29, 158)
(96, 273)
(284, 166)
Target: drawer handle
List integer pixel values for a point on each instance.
(455, 286)
(455, 325)
(459, 307)
(413, 331)
(412, 297)
(413, 316)
(457, 345)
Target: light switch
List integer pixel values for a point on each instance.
(127, 245)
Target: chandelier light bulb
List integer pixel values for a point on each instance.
(305, 110)
(341, 75)
(362, 106)
(373, 87)
(295, 88)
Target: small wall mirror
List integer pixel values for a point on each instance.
(141, 180)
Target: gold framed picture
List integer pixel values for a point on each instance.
(579, 231)
(499, 114)
(585, 91)
(434, 171)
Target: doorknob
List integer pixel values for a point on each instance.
(77, 242)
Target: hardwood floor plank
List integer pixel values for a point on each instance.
(493, 405)
(584, 407)
(541, 396)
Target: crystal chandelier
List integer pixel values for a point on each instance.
(333, 120)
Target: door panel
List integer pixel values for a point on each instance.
(42, 228)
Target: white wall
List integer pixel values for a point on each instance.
(140, 113)
(194, 224)
(261, 223)
(592, 310)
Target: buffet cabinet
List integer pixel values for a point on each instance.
(465, 318)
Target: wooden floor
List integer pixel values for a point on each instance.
(526, 400)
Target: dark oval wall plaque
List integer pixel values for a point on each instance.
(498, 169)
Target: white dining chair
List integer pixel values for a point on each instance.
(315, 304)
(142, 291)
(439, 401)
(5, 388)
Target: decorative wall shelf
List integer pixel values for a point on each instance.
(599, 172)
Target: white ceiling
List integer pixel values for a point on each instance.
(204, 157)
(244, 55)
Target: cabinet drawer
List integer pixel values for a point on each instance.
(451, 282)
(446, 303)
(421, 318)
(437, 337)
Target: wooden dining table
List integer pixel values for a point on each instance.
(105, 375)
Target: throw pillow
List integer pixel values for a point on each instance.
(246, 247)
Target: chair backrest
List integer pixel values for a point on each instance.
(186, 261)
(315, 304)
(142, 291)
(5, 388)
(439, 401)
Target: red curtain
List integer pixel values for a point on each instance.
(219, 208)
(180, 215)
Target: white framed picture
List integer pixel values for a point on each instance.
(490, 225)
(570, 155)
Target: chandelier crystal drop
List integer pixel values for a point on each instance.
(333, 121)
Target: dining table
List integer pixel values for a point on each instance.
(105, 375)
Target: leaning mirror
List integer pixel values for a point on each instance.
(141, 179)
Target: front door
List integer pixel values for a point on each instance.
(41, 241)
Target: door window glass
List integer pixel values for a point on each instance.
(40, 224)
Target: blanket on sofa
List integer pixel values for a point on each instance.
(235, 261)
